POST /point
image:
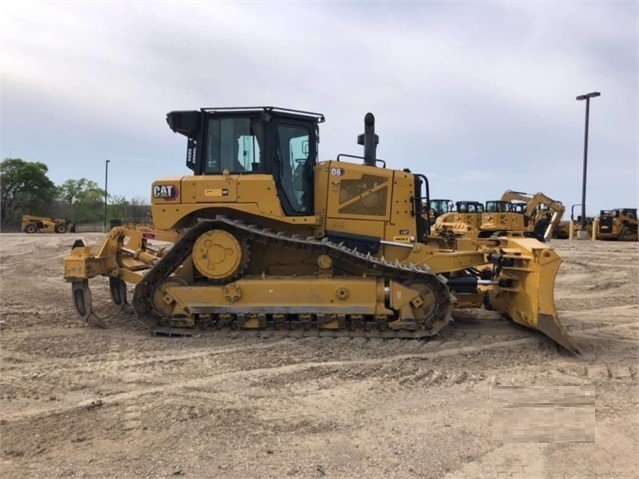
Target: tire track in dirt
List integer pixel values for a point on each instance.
(286, 369)
(114, 362)
(150, 358)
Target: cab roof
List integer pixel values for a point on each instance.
(319, 117)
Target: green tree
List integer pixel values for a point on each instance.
(85, 198)
(139, 211)
(80, 191)
(25, 187)
(117, 206)
(135, 210)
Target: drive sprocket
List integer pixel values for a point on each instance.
(219, 255)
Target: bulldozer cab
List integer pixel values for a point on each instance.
(261, 140)
(625, 212)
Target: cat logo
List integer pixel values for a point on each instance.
(168, 192)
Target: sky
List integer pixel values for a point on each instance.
(478, 96)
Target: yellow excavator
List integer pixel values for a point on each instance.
(464, 220)
(262, 236)
(437, 207)
(537, 215)
(515, 214)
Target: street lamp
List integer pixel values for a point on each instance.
(106, 185)
(586, 97)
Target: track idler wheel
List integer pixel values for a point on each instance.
(83, 303)
(425, 305)
(429, 310)
(117, 289)
(161, 304)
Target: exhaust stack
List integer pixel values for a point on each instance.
(369, 139)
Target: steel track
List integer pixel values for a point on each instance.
(352, 326)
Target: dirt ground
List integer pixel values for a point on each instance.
(83, 402)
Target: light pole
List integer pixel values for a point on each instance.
(586, 97)
(106, 186)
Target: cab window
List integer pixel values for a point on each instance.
(233, 144)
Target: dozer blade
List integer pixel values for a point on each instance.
(526, 290)
(551, 327)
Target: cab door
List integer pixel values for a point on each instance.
(294, 152)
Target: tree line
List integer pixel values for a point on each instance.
(25, 188)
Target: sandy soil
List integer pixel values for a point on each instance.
(83, 402)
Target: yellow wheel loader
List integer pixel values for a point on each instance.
(264, 237)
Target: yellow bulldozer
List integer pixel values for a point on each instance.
(262, 236)
(618, 224)
(45, 224)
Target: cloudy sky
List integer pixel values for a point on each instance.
(479, 96)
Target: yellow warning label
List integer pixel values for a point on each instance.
(402, 239)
